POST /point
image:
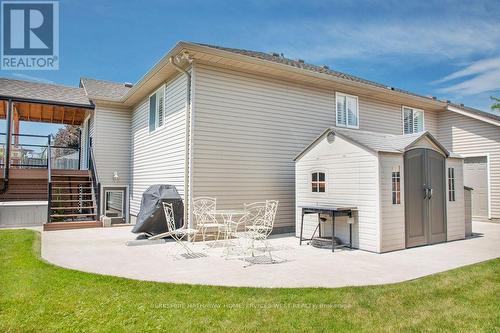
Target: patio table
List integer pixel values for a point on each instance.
(227, 217)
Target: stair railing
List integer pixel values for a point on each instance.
(49, 180)
(96, 184)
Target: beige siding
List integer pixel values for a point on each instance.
(351, 175)
(247, 129)
(468, 136)
(159, 157)
(455, 209)
(111, 143)
(392, 224)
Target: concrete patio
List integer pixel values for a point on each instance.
(103, 251)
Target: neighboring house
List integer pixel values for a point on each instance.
(228, 123)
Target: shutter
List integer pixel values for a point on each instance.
(352, 112)
(160, 107)
(152, 112)
(341, 111)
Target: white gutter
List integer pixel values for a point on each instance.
(187, 161)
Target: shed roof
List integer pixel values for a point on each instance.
(107, 90)
(43, 92)
(378, 142)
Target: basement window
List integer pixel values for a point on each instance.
(156, 109)
(413, 120)
(347, 110)
(318, 182)
(396, 185)
(451, 184)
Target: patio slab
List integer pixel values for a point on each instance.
(103, 251)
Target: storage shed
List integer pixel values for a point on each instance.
(408, 189)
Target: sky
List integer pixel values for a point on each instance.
(448, 49)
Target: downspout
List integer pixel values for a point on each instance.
(173, 61)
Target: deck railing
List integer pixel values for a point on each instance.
(30, 151)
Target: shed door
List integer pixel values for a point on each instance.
(476, 176)
(415, 208)
(425, 209)
(437, 197)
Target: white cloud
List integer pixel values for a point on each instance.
(31, 78)
(479, 77)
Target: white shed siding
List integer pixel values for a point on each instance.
(455, 209)
(352, 180)
(111, 144)
(392, 223)
(159, 157)
(468, 136)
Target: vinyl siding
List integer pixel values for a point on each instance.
(467, 136)
(455, 209)
(351, 176)
(392, 222)
(247, 130)
(159, 157)
(111, 143)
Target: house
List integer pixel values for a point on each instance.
(385, 177)
(228, 123)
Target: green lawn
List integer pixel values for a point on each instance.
(37, 296)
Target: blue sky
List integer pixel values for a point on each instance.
(448, 49)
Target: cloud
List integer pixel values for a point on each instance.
(479, 77)
(32, 78)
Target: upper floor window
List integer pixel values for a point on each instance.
(156, 107)
(396, 185)
(451, 184)
(347, 110)
(318, 182)
(413, 120)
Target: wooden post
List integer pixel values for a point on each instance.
(8, 143)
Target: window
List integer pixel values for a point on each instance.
(156, 107)
(318, 182)
(396, 185)
(413, 120)
(347, 110)
(451, 184)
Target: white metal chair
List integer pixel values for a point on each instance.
(177, 234)
(204, 214)
(259, 222)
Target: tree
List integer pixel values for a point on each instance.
(496, 103)
(66, 136)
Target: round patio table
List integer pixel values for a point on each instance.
(227, 217)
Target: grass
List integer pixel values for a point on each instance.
(37, 296)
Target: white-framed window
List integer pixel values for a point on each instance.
(156, 109)
(413, 120)
(451, 184)
(396, 185)
(347, 110)
(318, 182)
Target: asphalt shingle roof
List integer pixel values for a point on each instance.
(43, 92)
(100, 89)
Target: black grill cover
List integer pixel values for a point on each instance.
(151, 218)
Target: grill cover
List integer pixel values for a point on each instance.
(151, 218)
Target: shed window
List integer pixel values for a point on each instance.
(396, 185)
(318, 182)
(451, 184)
(347, 110)
(413, 120)
(156, 109)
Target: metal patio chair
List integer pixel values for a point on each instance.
(177, 234)
(204, 209)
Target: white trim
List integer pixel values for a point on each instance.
(475, 116)
(337, 93)
(403, 118)
(488, 171)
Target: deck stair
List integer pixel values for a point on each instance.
(72, 201)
